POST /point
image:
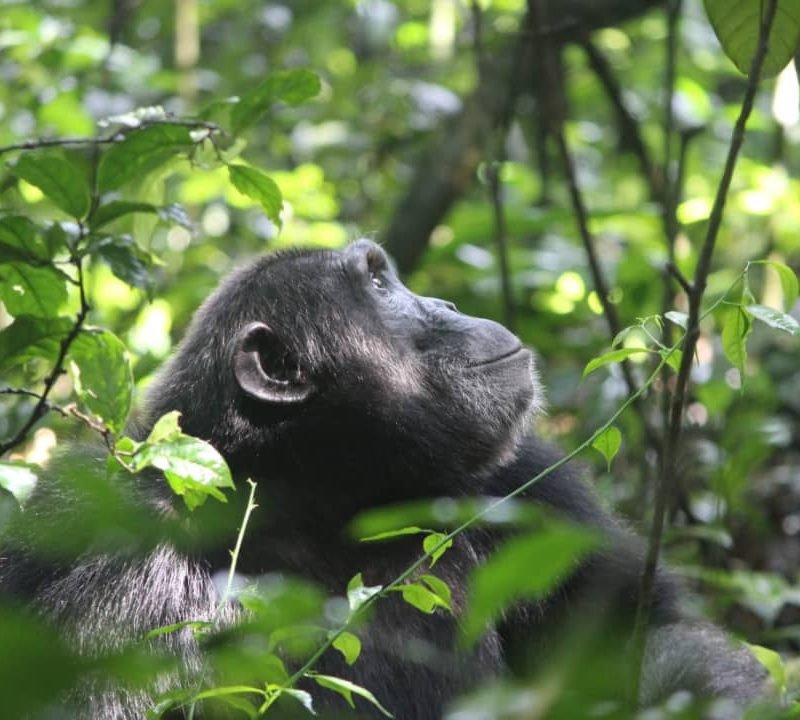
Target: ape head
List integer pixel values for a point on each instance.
(308, 363)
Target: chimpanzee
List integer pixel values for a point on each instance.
(323, 378)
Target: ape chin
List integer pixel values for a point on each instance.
(321, 377)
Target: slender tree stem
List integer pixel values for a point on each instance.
(668, 458)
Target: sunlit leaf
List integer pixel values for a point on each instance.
(679, 318)
(259, 187)
(229, 690)
(347, 689)
(102, 375)
(30, 337)
(608, 443)
(195, 625)
(349, 645)
(440, 588)
(421, 597)
(612, 357)
(737, 24)
(788, 279)
(389, 534)
(192, 467)
(29, 290)
(61, 181)
(358, 593)
(734, 338)
(773, 662)
(18, 478)
(775, 319)
(140, 152)
(435, 546)
(673, 358)
(303, 697)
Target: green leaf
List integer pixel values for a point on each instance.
(165, 428)
(612, 357)
(349, 645)
(192, 467)
(31, 337)
(19, 479)
(126, 259)
(20, 239)
(259, 187)
(389, 534)
(29, 290)
(734, 338)
(303, 697)
(608, 443)
(788, 278)
(775, 318)
(431, 546)
(510, 575)
(116, 209)
(347, 689)
(61, 181)
(101, 371)
(229, 690)
(773, 662)
(679, 318)
(420, 597)
(358, 593)
(673, 358)
(737, 25)
(197, 626)
(440, 588)
(141, 152)
(291, 86)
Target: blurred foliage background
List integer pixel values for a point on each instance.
(425, 131)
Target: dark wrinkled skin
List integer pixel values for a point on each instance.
(320, 376)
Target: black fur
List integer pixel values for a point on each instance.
(320, 376)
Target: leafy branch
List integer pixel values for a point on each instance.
(695, 292)
(118, 135)
(42, 405)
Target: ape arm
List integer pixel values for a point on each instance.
(596, 606)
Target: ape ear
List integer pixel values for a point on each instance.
(266, 370)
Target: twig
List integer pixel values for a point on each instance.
(553, 103)
(494, 167)
(48, 406)
(678, 275)
(667, 469)
(42, 405)
(118, 135)
(628, 124)
(251, 505)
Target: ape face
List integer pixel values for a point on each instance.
(316, 362)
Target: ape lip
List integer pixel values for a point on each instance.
(498, 358)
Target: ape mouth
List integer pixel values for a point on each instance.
(516, 350)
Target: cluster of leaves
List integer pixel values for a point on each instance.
(91, 205)
(97, 189)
